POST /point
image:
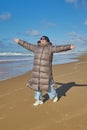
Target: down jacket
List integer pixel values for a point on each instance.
(42, 65)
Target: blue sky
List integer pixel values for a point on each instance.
(63, 21)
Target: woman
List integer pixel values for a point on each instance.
(41, 78)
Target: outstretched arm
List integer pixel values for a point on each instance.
(25, 44)
(61, 48)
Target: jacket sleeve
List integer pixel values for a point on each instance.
(56, 49)
(27, 45)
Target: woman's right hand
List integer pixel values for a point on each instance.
(16, 40)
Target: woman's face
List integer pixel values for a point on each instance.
(43, 41)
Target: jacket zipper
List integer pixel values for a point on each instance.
(39, 69)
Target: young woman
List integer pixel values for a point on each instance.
(41, 77)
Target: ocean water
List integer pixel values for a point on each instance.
(13, 64)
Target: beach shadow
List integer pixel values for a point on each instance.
(62, 90)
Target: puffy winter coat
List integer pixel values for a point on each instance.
(42, 69)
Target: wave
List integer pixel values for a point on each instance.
(32, 54)
(15, 54)
(14, 60)
(70, 52)
(24, 56)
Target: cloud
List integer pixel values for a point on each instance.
(5, 16)
(77, 38)
(0, 42)
(78, 3)
(6, 39)
(85, 22)
(71, 1)
(48, 24)
(51, 24)
(32, 32)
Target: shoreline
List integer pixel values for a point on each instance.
(13, 67)
(77, 59)
(69, 113)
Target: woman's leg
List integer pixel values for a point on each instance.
(38, 98)
(38, 95)
(52, 93)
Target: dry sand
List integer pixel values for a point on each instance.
(69, 113)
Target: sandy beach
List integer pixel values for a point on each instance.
(69, 113)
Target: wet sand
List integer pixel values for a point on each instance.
(69, 113)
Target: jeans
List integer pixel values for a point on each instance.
(51, 92)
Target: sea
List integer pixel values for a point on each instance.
(13, 64)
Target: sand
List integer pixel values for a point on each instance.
(69, 113)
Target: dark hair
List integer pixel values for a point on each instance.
(50, 43)
(38, 41)
(45, 37)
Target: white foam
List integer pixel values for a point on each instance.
(15, 54)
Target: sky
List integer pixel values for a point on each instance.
(63, 21)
